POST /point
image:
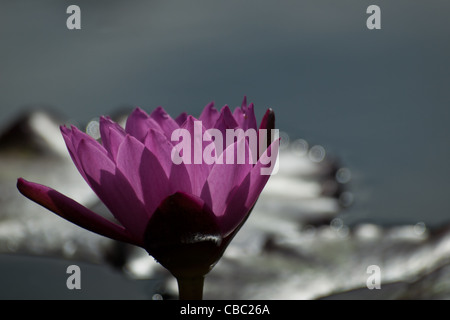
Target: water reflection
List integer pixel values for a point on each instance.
(296, 243)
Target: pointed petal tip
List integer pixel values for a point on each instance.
(67, 129)
(268, 120)
(190, 118)
(139, 110)
(159, 110)
(105, 119)
(226, 112)
(20, 182)
(181, 118)
(64, 129)
(209, 115)
(210, 107)
(74, 212)
(23, 187)
(75, 131)
(244, 102)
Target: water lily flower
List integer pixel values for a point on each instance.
(184, 214)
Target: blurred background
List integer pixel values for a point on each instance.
(376, 101)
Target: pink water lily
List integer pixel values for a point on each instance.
(184, 215)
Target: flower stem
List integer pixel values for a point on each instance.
(190, 288)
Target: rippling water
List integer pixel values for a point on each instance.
(295, 245)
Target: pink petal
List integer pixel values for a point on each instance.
(113, 188)
(181, 118)
(78, 136)
(73, 137)
(259, 180)
(209, 116)
(74, 212)
(179, 179)
(93, 161)
(238, 205)
(245, 117)
(239, 115)
(236, 210)
(158, 144)
(268, 124)
(161, 147)
(138, 124)
(112, 135)
(129, 159)
(244, 102)
(67, 136)
(268, 120)
(250, 120)
(198, 172)
(165, 121)
(224, 178)
(144, 172)
(224, 122)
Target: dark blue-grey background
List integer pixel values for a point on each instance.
(378, 99)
